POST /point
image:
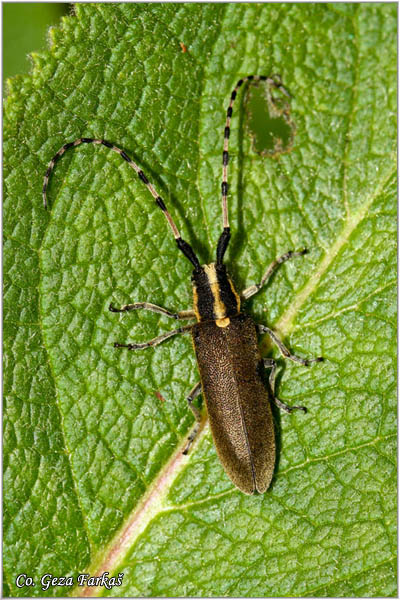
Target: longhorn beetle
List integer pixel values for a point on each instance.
(224, 339)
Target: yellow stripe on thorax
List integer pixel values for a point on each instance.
(219, 307)
(195, 303)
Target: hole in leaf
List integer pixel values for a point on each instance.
(268, 120)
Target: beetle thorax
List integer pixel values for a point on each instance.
(214, 295)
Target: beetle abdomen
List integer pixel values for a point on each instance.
(237, 402)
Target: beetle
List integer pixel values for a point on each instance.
(224, 338)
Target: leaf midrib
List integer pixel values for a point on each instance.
(284, 326)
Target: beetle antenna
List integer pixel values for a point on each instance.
(182, 245)
(223, 241)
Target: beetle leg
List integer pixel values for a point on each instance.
(155, 341)
(269, 363)
(284, 351)
(182, 314)
(196, 391)
(253, 289)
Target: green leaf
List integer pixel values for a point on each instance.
(94, 475)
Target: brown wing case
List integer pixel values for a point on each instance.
(237, 402)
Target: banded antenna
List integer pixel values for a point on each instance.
(223, 241)
(182, 245)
